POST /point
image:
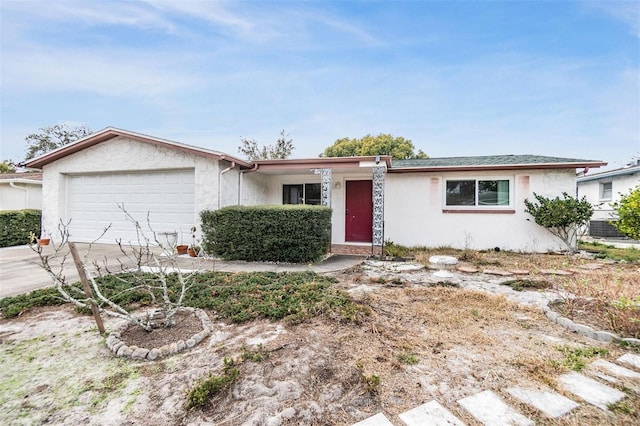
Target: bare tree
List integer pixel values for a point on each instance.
(147, 270)
(281, 150)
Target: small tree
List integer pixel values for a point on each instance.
(52, 137)
(628, 212)
(561, 216)
(280, 151)
(147, 271)
(7, 166)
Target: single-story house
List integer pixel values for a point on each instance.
(462, 202)
(602, 190)
(20, 191)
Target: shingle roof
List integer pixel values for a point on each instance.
(37, 176)
(490, 161)
(629, 170)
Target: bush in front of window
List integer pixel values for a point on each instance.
(288, 233)
(17, 225)
(561, 216)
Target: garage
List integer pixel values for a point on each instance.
(166, 195)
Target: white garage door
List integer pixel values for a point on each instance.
(92, 204)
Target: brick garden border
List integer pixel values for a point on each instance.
(120, 349)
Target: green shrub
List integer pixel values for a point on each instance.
(290, 233)
(561, 216)
(17, 225)
(628, 212)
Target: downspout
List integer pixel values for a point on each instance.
(242, 172)
(228, 169)
(26, 193)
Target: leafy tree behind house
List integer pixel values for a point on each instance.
(383, 144)
(561, 216)
(628, 213)
(52, 137)
(6, 166)
(281, 150)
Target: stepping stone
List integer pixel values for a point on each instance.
(497, 272)
(591, 266)
(615, 369)
(490, 410)
(377, 420)
(467, 269)
(630, 359)
(519, 271)
(592, 391)
(551, 403)
(554, 272)
(431, 413)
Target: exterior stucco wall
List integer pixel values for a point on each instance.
(120, 155)
(274, 195)
(254, 189)
(414, 212)
(619, 184)
(25, 196)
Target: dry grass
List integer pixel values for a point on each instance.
(466, 342)
(608, 299)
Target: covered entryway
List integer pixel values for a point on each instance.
(92, 203)
(359, 211)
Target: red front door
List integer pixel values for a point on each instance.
(359, 211)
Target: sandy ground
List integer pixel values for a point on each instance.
(421, 341)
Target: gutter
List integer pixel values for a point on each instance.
(241, 180)
(26, 193)
(222, 172)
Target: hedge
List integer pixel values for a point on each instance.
(17, 225)
(289, 233)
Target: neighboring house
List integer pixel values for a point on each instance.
(20, 191)
(603, 189)
(462, 202)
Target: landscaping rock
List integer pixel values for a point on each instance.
(140, 353)
(497, 272)
(467, 269)
(555, 272)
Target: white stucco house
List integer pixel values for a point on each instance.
(20, 191)
(604, 188)
(462, 202)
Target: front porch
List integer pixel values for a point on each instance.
(357, 249)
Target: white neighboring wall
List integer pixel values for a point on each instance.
(601, 197)
(23, 194)
(414, 216)
(122, 154)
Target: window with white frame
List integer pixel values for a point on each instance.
(606, 191)
(307, 193)
(478, 193)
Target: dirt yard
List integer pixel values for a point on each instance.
(423, 340)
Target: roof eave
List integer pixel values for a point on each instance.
(319, 163)
(484, 167)
(111, 133)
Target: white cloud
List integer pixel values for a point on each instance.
(113, 73)
(627, 12)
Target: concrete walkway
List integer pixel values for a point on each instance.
(490, 409)
(20, 270)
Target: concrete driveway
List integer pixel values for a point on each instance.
(20, 270)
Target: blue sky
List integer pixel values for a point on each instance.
(458, 78)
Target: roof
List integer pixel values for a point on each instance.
(491, 162)
(34, 178)
(322, 162)
(627, 170)
(112, 132)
